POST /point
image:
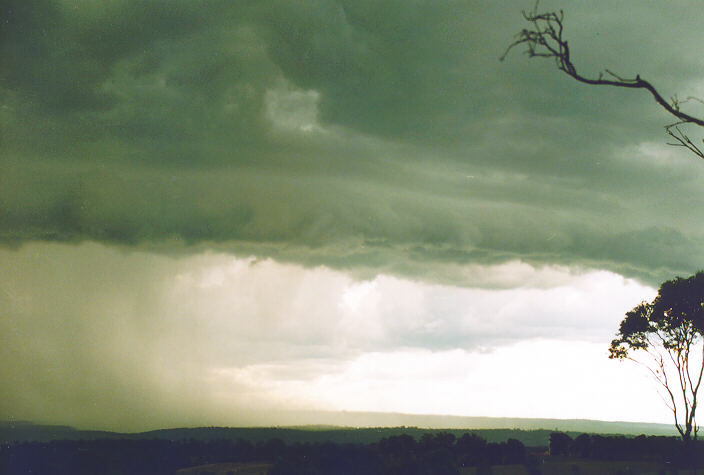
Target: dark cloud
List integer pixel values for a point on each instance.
(362, 135)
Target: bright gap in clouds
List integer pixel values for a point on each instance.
(541, 378)
(134, 340)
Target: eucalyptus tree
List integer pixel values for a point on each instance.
(666, 337)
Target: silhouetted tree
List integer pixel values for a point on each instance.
(559, 443)
(665, 336)
(471, 450)
(514, 452)
(399, 454)
(544, 39)
(581, 446)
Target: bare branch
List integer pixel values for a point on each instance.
(545, 40)
(682, 139)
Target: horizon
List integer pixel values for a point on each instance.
(215, 212)
(410, 421)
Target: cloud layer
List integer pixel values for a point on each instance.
(357, 135)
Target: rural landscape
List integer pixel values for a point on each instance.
(326, 449)
(351, 237)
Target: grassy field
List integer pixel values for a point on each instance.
(557, 465)
(551, 466)
(497, 470)
(227, 468)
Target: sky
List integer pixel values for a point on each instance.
(213, 212)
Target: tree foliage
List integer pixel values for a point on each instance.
(544, 39)
(665, 336)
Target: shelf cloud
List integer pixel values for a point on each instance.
(383, 137)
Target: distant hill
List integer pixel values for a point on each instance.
(25, 430)
(386, 419)
(341, 435)
(361, 428)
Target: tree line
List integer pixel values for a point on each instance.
(437, 453)
(669, 450)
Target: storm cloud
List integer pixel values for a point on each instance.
(382, 137)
